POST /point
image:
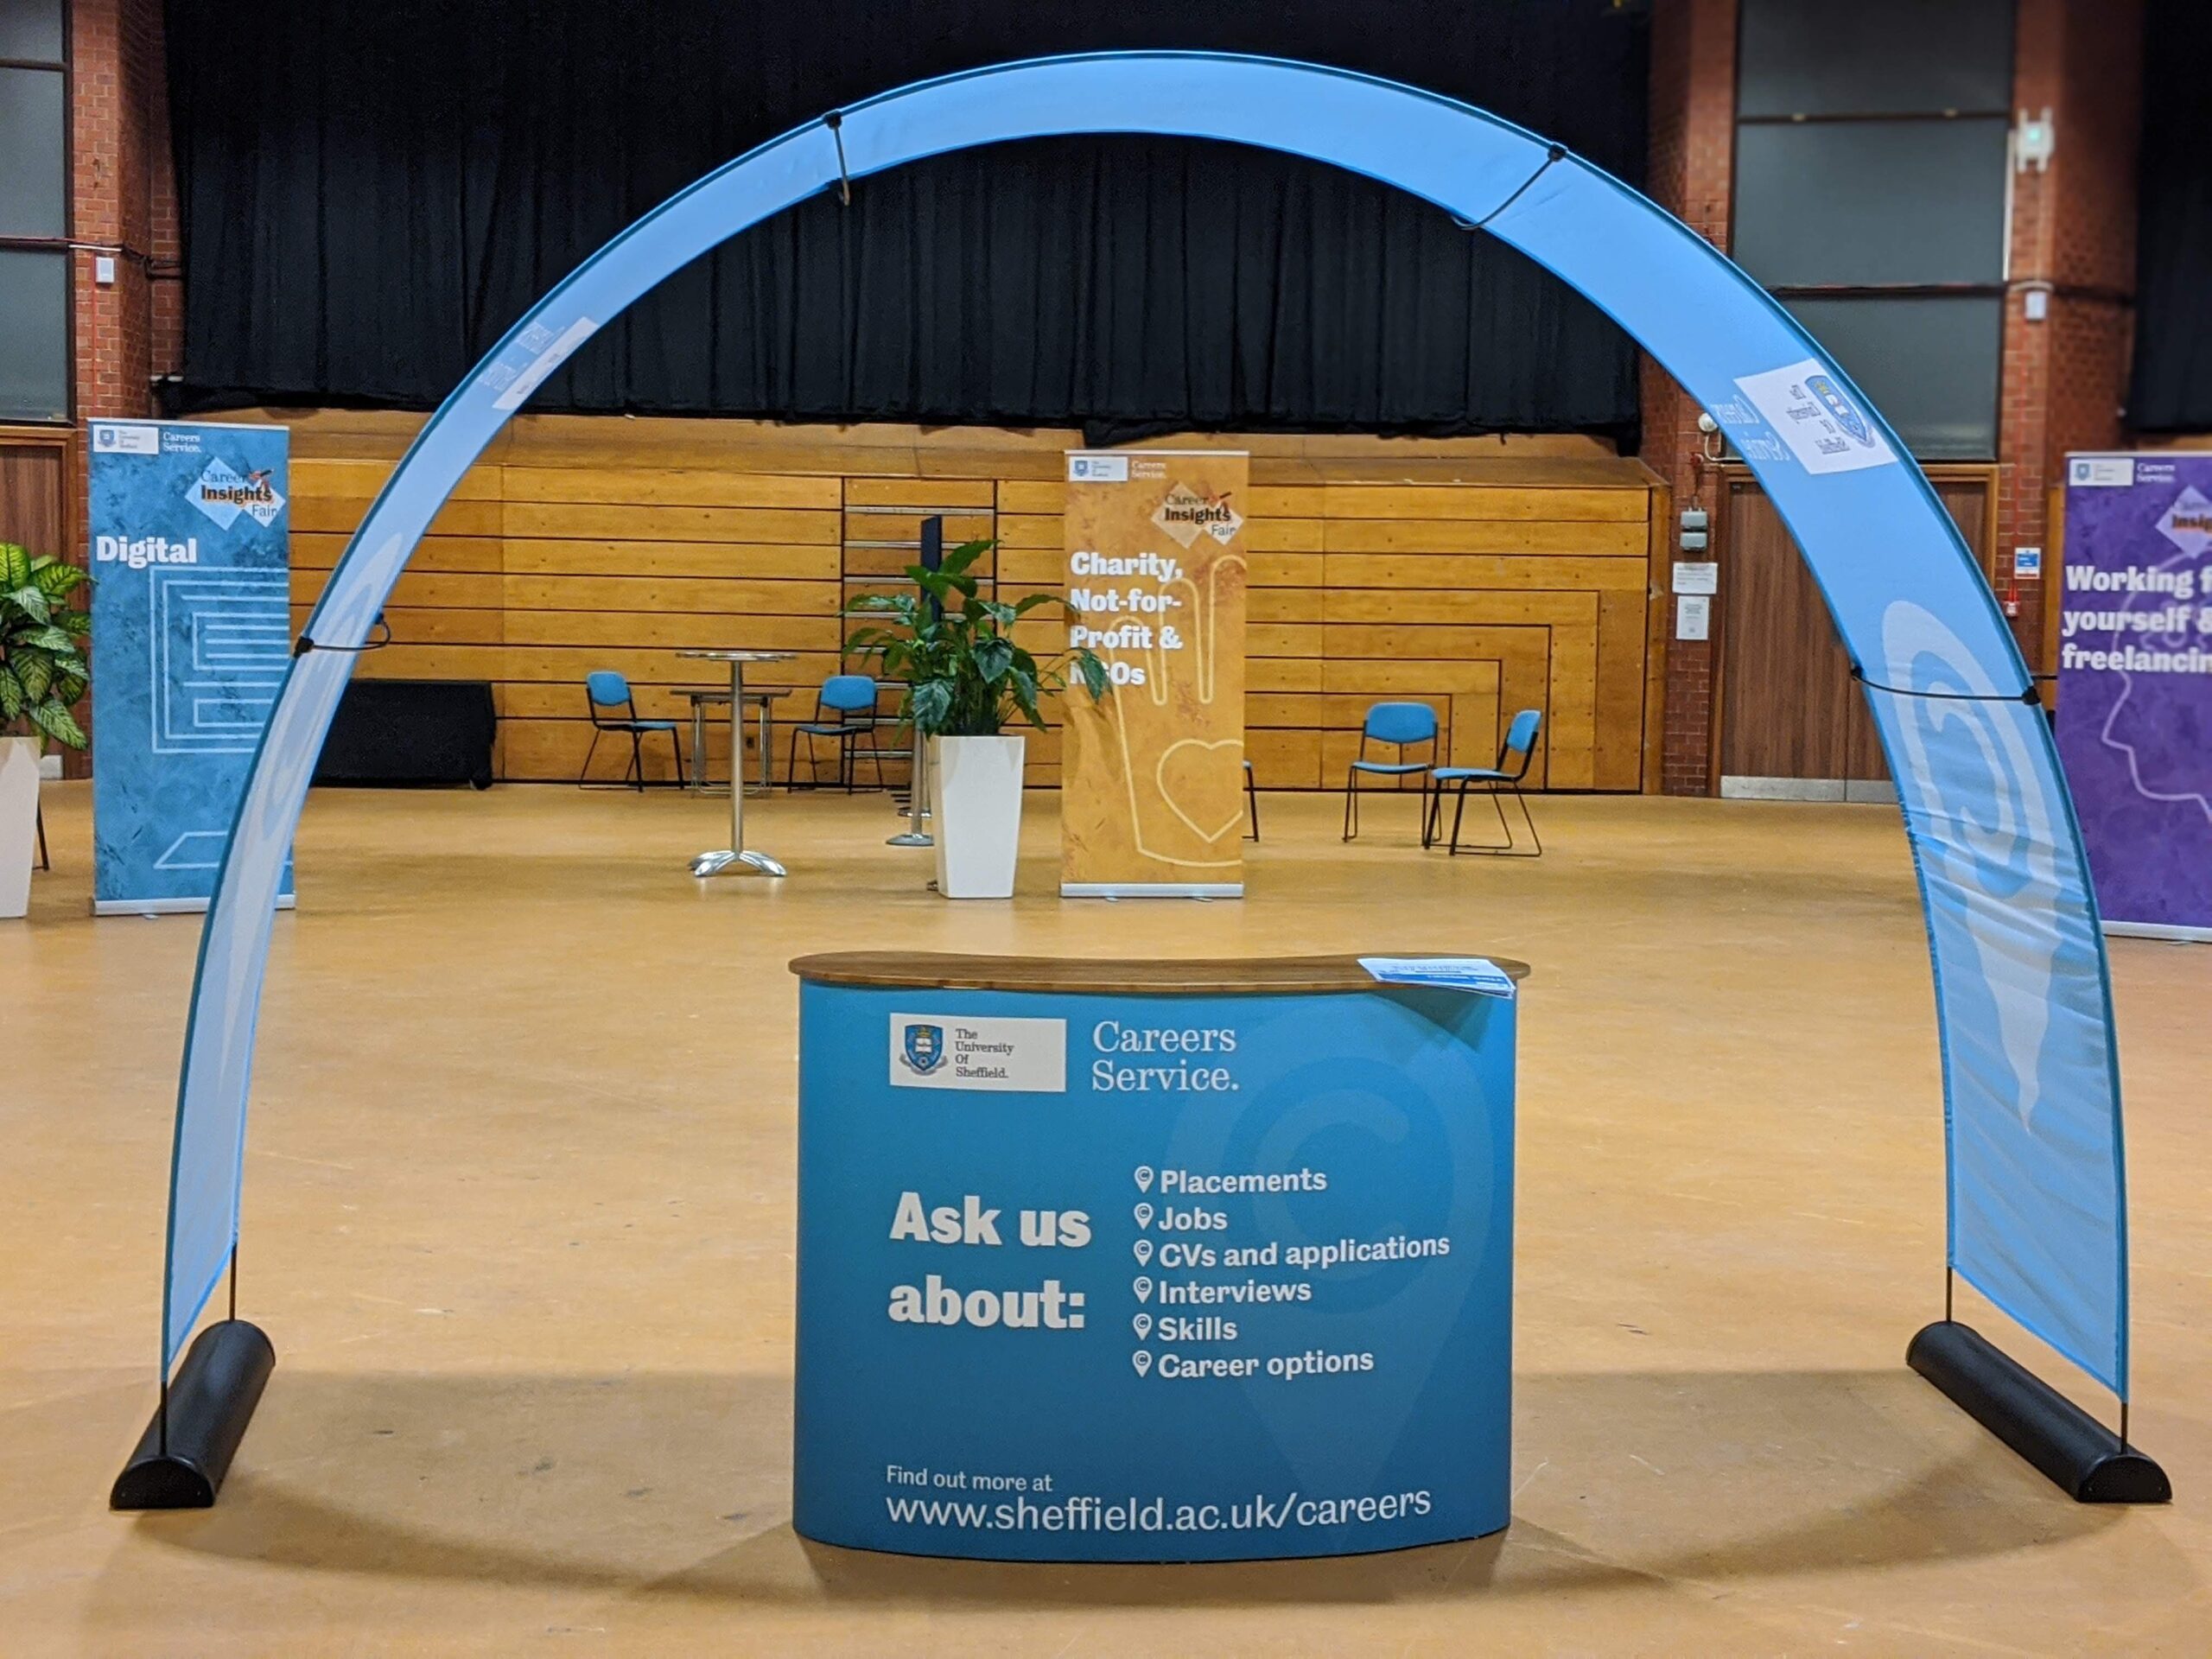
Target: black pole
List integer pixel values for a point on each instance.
(933, 553)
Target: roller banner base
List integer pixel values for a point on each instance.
(2079, 1455)
(211, 1402)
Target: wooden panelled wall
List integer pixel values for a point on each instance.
(1478, 578)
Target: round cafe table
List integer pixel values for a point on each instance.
(735, 855)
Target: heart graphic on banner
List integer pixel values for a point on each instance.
(1184, 759)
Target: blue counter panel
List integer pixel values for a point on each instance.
(1153, 1277)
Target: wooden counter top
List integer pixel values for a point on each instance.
(1205, 977)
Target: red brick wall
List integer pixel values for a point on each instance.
(123, 202)
(1690, 173)
(2065, 377)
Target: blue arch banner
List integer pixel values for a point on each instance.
(2031, 1097)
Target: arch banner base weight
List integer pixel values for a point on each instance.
(2074, 1451)
(187, 1447)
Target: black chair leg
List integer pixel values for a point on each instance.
(1458, 817)
(1528, 818)
(1351, 804)
(583, 778)
(676, 744)
(1511, 847)
(1252, 801)
(637, 775)
(45, 859)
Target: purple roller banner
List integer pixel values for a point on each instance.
(2135, 685)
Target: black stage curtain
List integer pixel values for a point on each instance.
(2172, 383)
(371, 193)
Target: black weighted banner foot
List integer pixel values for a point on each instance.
(2080, 1454)
(210, 1403)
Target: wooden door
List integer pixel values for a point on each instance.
(35, 509)
(1793, 724)
(34, 493)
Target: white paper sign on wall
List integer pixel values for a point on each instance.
(1693, 617)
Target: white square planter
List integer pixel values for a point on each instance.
(19, 757)
(975, 803)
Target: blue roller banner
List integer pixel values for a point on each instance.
(1261, 1248)
(191, 637)
(2037, 1216)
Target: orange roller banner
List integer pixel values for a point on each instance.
(1152, 779)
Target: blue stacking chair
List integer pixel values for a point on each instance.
(844, 710)
(1512, 766)
(605, 688)
(1398, 726)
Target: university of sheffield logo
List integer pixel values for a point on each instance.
(924, 1049)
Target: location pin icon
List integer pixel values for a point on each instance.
(1142, 1286)
(1141, 1360)
(1143, 1213)
(1143, 1249)
(1144, 1177)
(1143, 1325)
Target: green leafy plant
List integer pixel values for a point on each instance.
(41, 670)
(965, 676)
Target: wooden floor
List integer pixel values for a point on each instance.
(519, 1220)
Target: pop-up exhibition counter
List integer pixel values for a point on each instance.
(1153, 1261)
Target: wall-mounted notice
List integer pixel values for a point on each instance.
(2135, 685)
(1152, 793)
(191, 638)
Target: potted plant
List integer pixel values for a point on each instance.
(966, 681)
(42, 673)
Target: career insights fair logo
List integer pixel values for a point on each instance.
(1187, 515)
(222, 492)
(2188, 522)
